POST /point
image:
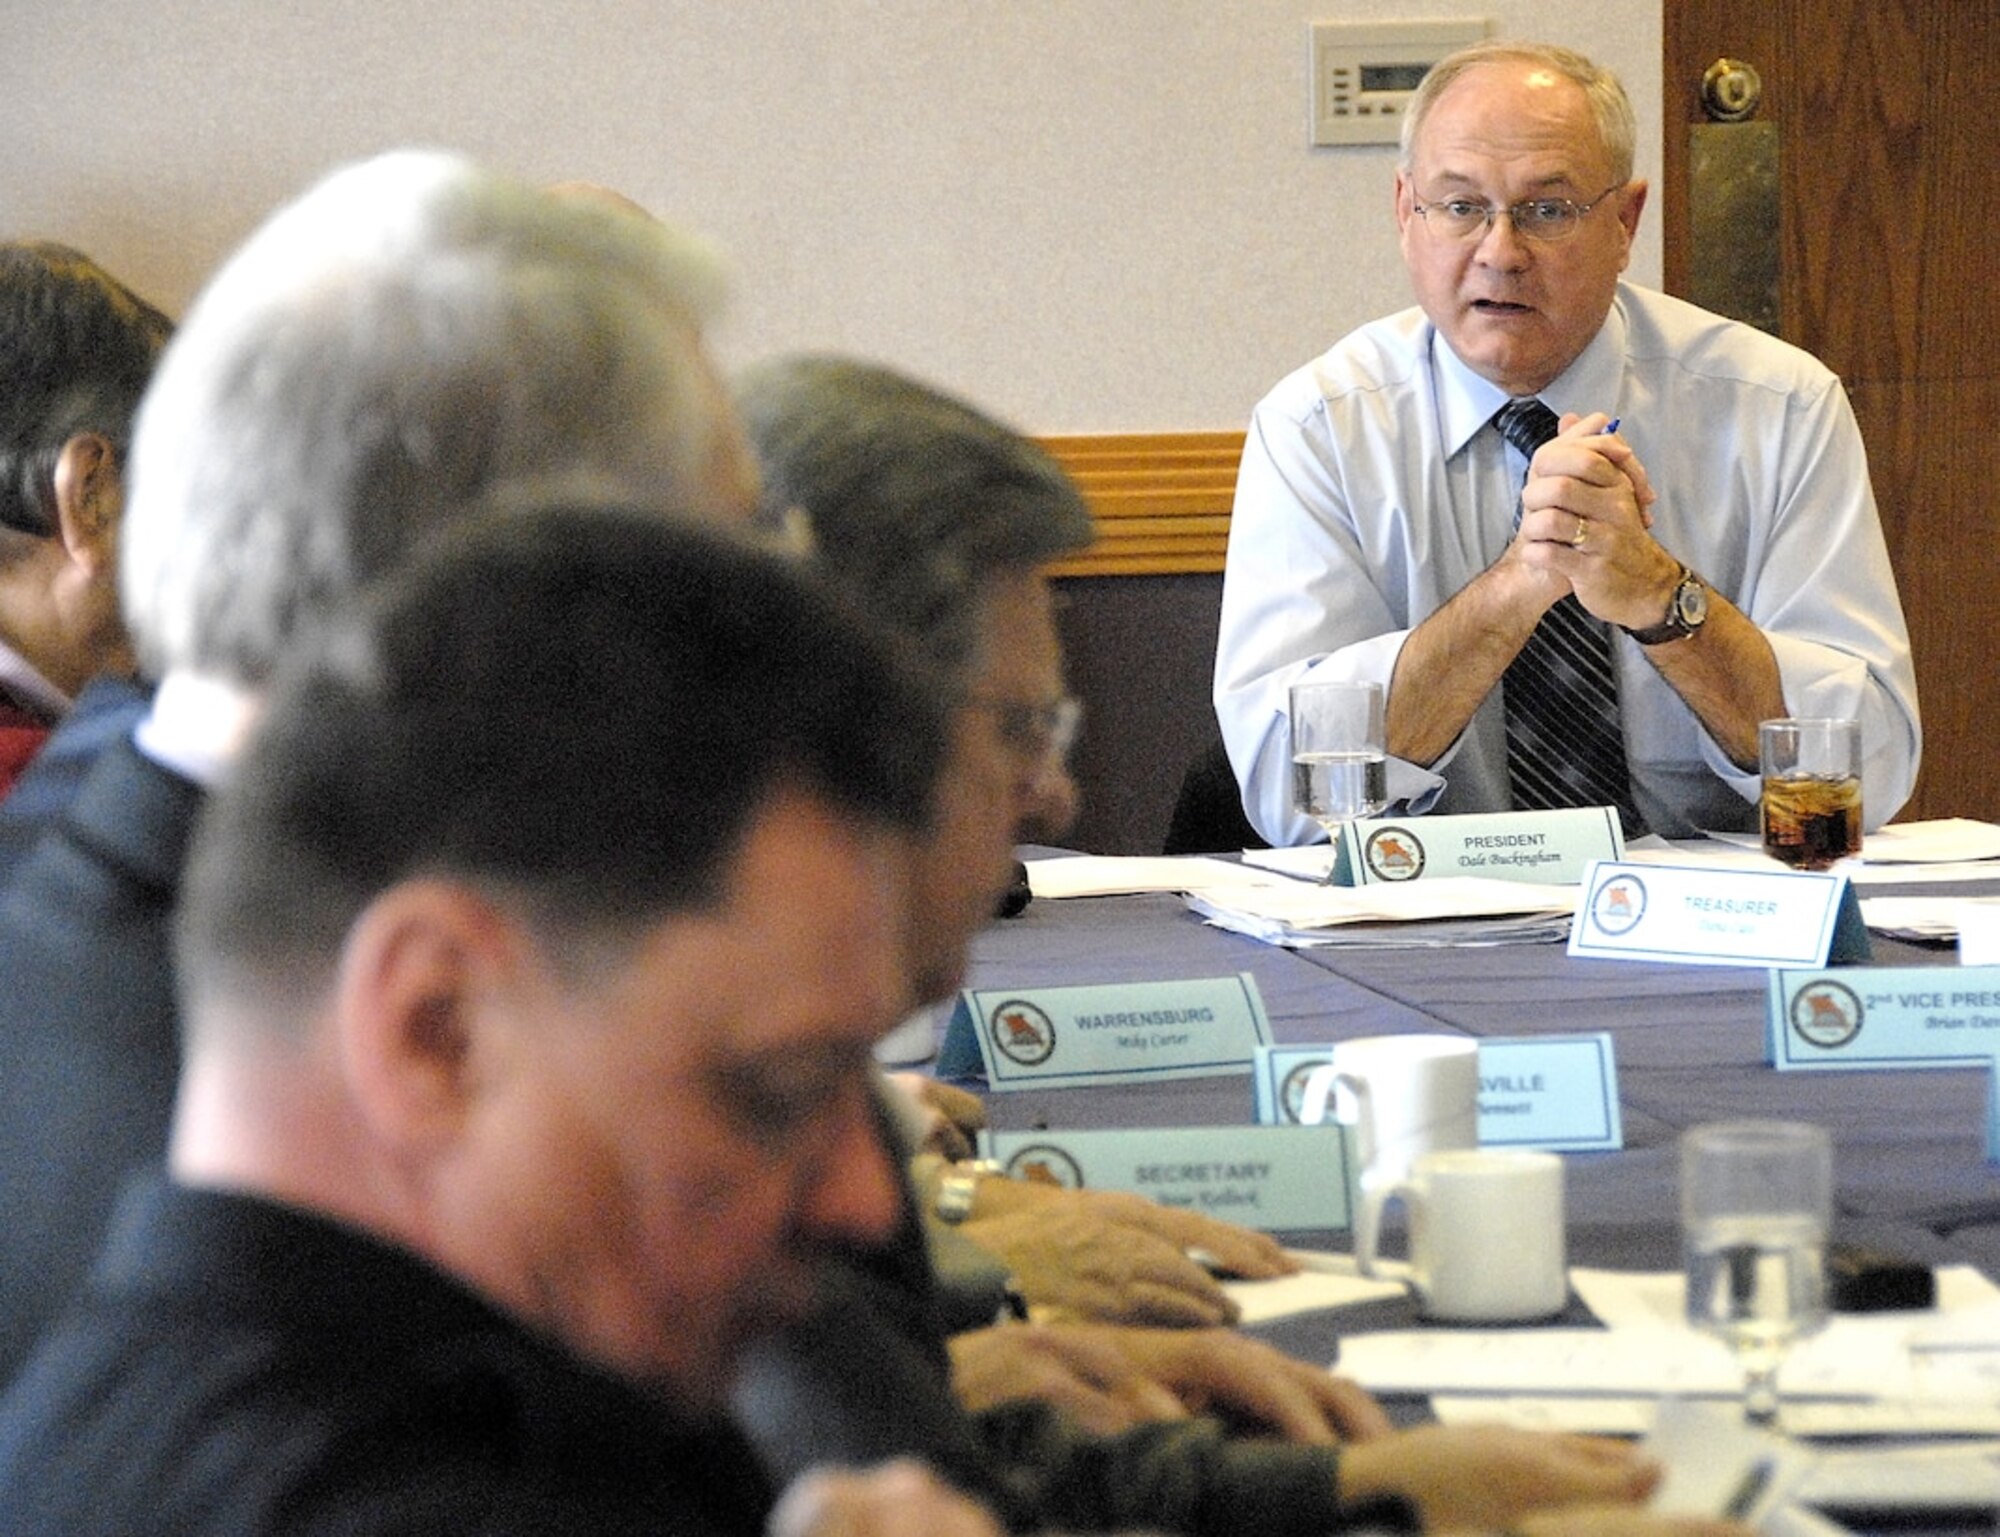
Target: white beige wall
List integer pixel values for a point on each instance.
(1093, 215)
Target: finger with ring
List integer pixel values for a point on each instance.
(1582, 532)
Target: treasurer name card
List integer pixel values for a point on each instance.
(1115, 1033)
(1717, 917)
(1268, 1177)
(1557, 1092)
(1548, 847)
(1884, 1016)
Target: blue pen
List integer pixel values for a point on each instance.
(1743, 1500)
(1611, 426)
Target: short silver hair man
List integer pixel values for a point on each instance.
(413, 338)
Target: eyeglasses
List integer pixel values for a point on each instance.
(1547, 219)
(1040, 733)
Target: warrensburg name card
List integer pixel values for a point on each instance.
(1558, 1092)
(1126, 1033)
(1884, 1017)
(1549, 847)
(1709, 917)
(1268, 1177)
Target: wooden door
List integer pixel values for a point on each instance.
(1889, 125)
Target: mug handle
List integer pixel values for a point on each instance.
(1320, 1084)
(1313, 1101)
(1375, 1198)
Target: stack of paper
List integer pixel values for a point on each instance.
(1450, 910)
(1114, 875)
(1865, 1374)
(1949, 850)
(1279, 896)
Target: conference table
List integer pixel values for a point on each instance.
(1910, 1167)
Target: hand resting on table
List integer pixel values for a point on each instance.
(1110, 1378)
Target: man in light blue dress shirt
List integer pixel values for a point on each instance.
(1707, 498)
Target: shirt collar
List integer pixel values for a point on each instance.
(196, 726)
(19, 677)
(1466, 401)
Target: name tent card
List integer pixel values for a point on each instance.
(1707, 917)
(1136, 1032)
(1266, 1177)
(1883, 1017)
(1549, 847)
(1558, 1093)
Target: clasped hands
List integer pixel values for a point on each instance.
(1586, 520)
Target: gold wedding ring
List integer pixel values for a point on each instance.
(1582, 532)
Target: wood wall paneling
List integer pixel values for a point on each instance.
(1161, 500)
(1138, 612)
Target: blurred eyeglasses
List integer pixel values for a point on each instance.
(1040, 733)
(1547, 219)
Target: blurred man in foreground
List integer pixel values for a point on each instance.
(520, 1088)
(411, 342)
(940, 520)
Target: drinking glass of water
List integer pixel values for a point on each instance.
(1756, 1200)
(1340, 769)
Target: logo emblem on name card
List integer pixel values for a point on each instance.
(1827, 1014)
(1043, 1163)
(1395, 854)
(1021, 1032)
(1619, 904)
(1292, 1092)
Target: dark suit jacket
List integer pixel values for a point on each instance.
(103, 715)
(89, 1051)
(245, 1367)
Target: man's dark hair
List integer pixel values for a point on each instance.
(914, 500)
(76, 349)
(579, 711)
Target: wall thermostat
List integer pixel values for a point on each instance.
(1364, 72)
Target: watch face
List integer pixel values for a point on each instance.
(1691, 602)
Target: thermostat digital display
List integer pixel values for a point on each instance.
(1364, 72)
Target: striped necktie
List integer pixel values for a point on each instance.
(1564, 747)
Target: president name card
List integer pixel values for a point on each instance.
(1884, 1017)
(1709, 917)
(1268, 1177)
(1548, 847)
(1558, 1092)
(1119, 1033)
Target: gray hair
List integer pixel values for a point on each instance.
(412, 339)
(1617, 127)
(914, 500)
(694, 675)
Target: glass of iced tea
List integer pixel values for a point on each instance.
(1811, 807)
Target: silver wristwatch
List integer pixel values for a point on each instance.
(1687, 612)
(959, 1188)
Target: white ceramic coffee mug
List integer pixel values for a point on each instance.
(1405, 1095)
(1486, 1236)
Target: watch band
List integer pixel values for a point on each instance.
(1687, 612)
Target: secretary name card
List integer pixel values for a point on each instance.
(1707, 917)
(1266, 1177)
(1140, 1032)
(1548, 847)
